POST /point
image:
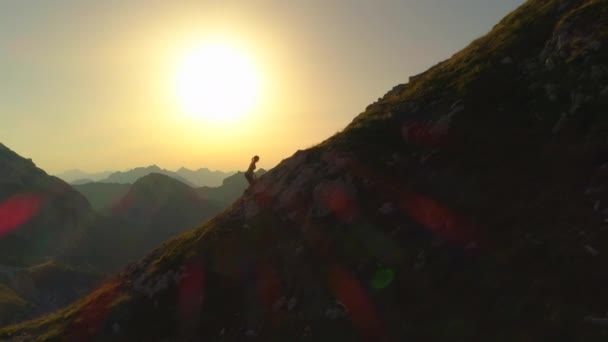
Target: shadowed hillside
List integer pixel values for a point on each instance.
(103, 196)
(40, 216)
(155, 208)
(466, 205)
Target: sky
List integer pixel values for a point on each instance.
(92, 85)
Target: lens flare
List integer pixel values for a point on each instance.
(18, 210)
(383, 278)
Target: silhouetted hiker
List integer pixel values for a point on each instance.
(249, 174)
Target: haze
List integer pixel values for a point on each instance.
(88, 84)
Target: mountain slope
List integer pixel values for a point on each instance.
(155, 208)
(102, 196)
(40, 215)
(468, 204)
(41, 218)
(31, 291)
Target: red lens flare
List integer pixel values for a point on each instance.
(18, 210)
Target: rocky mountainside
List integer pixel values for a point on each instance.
(466, 205)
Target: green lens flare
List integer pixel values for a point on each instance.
(383, 278)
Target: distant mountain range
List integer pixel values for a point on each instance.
(76, 175)
(204, 176)
(194, 178)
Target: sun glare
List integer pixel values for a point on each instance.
(216, 82)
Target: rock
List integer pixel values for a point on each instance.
(387, 208)
(506, 60)
(307, 331)
(471, 245)
(577, 99)
(251, 333)
(601, 321)
(336, 311)
(592, 251)
(550, 91)
(278, 304)
(596, 206)
(563, 6)
(558, 125)
(116, 328)
(251, 209)
(592, 190)
(332, 197)
(145, 284)
(604, 92)
(420, 261)
(291, 304)
(597, 72)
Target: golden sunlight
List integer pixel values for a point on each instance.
(216, 82)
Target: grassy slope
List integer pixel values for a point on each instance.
(11, 305)
(492, 245)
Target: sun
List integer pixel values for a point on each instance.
(216, 82)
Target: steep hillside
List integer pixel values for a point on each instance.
(27, 292)
(13, 308)
(40, 216)
(466, 205)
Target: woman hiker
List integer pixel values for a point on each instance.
(249, 174)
